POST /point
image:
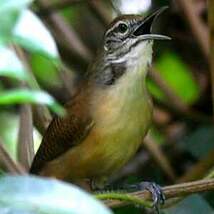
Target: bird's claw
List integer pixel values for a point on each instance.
(156, 191)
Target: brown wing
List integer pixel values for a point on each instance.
(63, 133)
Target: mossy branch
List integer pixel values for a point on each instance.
(143, 198)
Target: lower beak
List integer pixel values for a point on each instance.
(144, 29)
(156, 37)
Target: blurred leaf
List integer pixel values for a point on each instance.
(194, 204)
(157, 135)
(10, 65)
(9, 131)
(200, 141)
(45, 70)
(32, 34)
(178, 77)
(132, 7)
(28, 96)
(1, 172)
(9, 10)
(155, 91)
(43, 196)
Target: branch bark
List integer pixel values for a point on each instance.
(173, 191)
(25, 139)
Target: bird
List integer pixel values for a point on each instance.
(109, 114)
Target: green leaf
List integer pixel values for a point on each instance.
(32, 34)
(9, 131)
(45, 70)
(10, 65)
(178, 77)
(29, 96)
(10, 10)
(25, 194)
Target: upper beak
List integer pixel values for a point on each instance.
(144, 29)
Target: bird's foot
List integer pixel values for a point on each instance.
(156, 191)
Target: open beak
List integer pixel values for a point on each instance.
(144, 29)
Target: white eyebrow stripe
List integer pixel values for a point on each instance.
(115, 26)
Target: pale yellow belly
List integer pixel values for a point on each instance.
(104, 150)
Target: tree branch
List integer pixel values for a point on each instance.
(159, 156)
(199, 29)
(25, 138)
(198, 170)
(8, 163)
(173, 191)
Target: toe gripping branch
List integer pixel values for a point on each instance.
(156, 191)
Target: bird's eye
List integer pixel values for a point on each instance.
(122, 28)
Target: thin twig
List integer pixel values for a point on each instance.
(25, 138)
(8, 163)
(199, 169)
(68, 34)
(190, 115)
(199, 29)
(158, 155)
(173, 191)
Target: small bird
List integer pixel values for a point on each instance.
(110, 113)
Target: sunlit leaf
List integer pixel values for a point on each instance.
(177, 76)
(10, 65)
(46, 196)
(19, 96)
(10, 10)
(32, 34)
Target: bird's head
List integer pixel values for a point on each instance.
(129, 36)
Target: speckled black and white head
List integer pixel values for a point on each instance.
(128, 35)
(127, 48)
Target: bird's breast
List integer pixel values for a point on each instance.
(122, 115)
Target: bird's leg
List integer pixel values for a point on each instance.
(156, 191)
(158, 197)
(99, 184)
